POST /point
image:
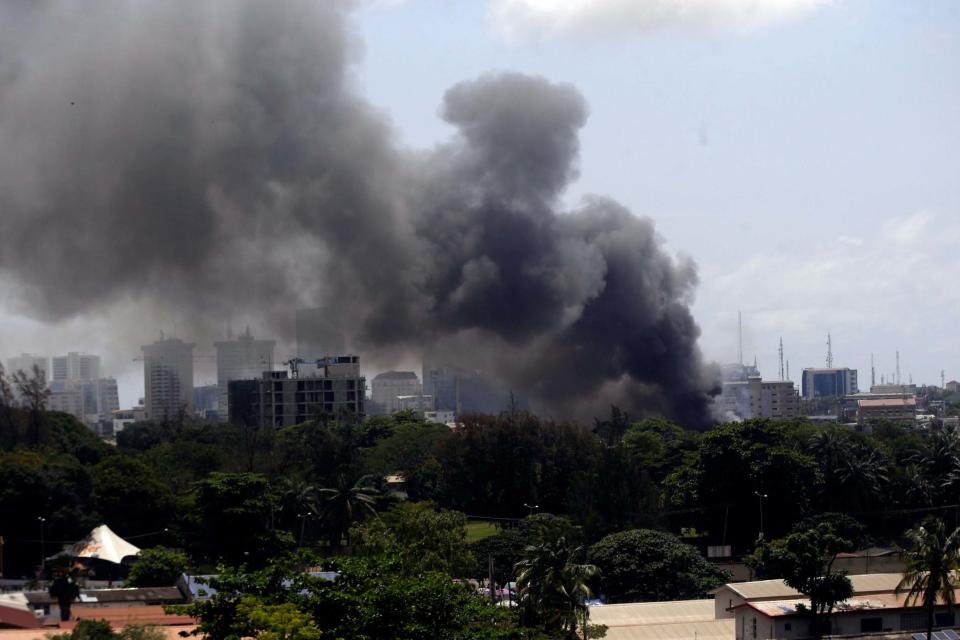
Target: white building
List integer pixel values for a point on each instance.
(168, 378)
(758, 398)
(68, 401)
(75, 366)
(241, 359)
(387, 387)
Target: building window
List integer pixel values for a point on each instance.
(754, 627)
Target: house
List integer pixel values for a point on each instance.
(789, 619)
(679, 620)
(734, 594)
(42, 603)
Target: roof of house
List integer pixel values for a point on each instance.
(678, 620)
(887, 402)
(121, 616)
(870, 552)
(107, 596)
(778, 589)
(399, 375)
(885, 601)
(18, 617)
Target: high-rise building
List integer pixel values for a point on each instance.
(335, 389)
(388, 386)
(26, 362)
(168, 378)
(241, 359)
(829, 382)
(75, 366)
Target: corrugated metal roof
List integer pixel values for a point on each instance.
(777, 589)
(704, 630)
(777, 608)
(636, 613)
(682, 619)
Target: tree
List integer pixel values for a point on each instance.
(235, 511)
(423, 537)
(370, 597)
(158, 567)
(34, 392)
(643, 564)
(345, 503)
(553, 584)
(805, 562)
(931, 566)
(127, 495)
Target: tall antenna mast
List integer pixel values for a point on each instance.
(943, 380)
(788, 369)
(740, 338)
(898, 367)
(873, 373)
(829, 352)
(781, 359)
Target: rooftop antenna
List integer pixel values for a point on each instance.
(788, 369)
(873, 372)
(943, 379)
(781, 359)
(740, 337)
(910, 378)
(829, 352)
(898, 367)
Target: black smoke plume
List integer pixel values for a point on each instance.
(215, 157)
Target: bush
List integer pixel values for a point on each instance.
(93, 630)
(157, 567)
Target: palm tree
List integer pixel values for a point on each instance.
(345, 503)
(553, 584)
(932, 562)
(299, 499)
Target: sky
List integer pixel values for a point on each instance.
(804, 153)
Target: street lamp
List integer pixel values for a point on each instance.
(760, 496)
(43, 560)
(532, 507)
(303, 523)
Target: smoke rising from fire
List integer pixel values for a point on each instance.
(215, 157)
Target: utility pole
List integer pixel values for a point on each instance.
(781, 359)
(740, 338)
(761, 496)
(43, 560)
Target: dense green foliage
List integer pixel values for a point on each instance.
(371, 597)
(933, 561)
(641, 565)
(158, 567)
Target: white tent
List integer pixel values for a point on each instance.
(103, 544)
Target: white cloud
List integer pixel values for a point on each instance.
(892, 287)
(518, 19)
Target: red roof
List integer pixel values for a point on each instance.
(18, 617)
(121, 616)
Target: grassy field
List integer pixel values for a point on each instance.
(480, 529)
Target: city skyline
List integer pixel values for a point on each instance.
(804, 158)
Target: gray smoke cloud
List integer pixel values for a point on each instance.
(214, 157)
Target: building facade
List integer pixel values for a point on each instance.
(241, 359)
(75, 366)
(167, 378)
(759, 398)
(387, 387)
(829, 383)
(335, 390)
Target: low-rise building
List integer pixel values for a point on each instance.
(902, 410)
